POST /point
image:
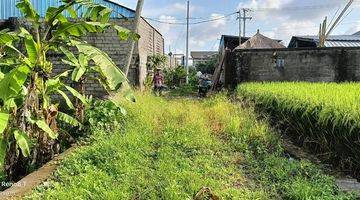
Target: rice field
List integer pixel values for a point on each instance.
(323, 116)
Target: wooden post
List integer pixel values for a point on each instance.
(218, 70)
(136, 21)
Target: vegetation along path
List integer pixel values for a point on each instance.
(186, 149)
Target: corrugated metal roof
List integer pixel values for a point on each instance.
(342, 44)
(8, 8)
(335, 40)
(333, 37)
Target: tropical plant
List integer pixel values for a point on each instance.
(176, 77)
(28, 114)
(207, 67)
(156, 61)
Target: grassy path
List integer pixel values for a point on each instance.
(172, 149)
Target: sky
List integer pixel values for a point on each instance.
(278, 19)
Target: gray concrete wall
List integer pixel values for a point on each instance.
(313, 65)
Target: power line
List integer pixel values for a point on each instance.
(292, 8)
(303, 27)
(298, 8)
(193, 23)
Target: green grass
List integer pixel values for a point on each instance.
(325, 116)
(173, 148)
(183, 91)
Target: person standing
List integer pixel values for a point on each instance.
(158, 81)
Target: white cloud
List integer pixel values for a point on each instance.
(202, 34)
(170, 9)
(353, 29)
(257, 4)
(165, 27)
(290, 17)
(291, 28)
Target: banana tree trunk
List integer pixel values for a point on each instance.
(80, 107)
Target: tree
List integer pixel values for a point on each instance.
(156, 61)
(208, 67)
(28, 116)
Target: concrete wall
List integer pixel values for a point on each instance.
(313, 65)
(150, 43)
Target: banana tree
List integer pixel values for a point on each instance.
(28, 114)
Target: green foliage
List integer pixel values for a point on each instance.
(12, 83)
(4, 117)
(174, 77)
(156, 61)
(27, 81)
(327, 114)
(208, 67)
(184, 91)
(22, 140)
(112, 77)
(68, 119)
(28, 10)
(105, 115)
(45, 127)
(172, 148)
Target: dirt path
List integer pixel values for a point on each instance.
(344, 182)
(31, 181)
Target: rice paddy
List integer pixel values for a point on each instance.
(323, 116)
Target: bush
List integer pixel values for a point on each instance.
(208, 67)
(105, 115)
(177, 77)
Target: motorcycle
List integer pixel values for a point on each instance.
(204, 87)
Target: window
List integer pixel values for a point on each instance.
(280, 63)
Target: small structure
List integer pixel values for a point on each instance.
(331, 41)
(199, 57)
(230, 42)
(259, 41)
(226, 70)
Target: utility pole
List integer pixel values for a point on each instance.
(170, 57)
(136, 21)
(239, 18)
(187, 42)
(245, 10)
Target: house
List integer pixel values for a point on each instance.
(150, 43)
(331, 41)
(225, 72)
(199, 57)
(259, 41)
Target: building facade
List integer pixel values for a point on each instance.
(199, 57)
